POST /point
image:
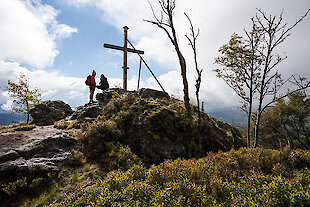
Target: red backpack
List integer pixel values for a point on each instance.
(88, 80)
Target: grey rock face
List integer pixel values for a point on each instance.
(88, 112)
(49, 112)
(43, 155)
(151, 93)
(105, 96)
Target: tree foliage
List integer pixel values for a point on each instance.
(24, 97)
(288, 123)
(249, 66)
(240, 70)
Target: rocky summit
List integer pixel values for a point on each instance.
(119, 131)
(156, 129)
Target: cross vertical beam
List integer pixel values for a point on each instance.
(125, 59)
(125, 50)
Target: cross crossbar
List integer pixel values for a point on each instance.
(122, 48)
(125, 49)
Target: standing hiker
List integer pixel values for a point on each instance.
(91, 82)
(103, 85)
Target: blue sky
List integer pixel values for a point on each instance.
(58, 42)
(84, 51)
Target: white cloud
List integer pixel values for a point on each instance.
(217, 20)
(52, 85)
(28, 30)
(8, 105)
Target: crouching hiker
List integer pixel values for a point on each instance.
(103, 85)
(91, 82)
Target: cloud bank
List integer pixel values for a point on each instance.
(29, 31)
(217, 20)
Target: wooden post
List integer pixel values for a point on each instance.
(125, 59)
(125, 50)
(139, 74)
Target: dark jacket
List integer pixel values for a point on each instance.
(103, 85)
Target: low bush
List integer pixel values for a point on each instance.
(22, 188)
(155, 130)
(248, 177)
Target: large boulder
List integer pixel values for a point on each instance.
(88, 112)
(41, 156)
(152, 93)
(105, 96)
(48, 112)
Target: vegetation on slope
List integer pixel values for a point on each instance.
(156, 130)
(248, 177)
(132, 134)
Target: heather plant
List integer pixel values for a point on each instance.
(234, 178)
(154, 130)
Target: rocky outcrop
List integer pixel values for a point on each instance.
(42, 155)
(164, 134)
(105, 96)
(48, 112)
(157, 129)
(151, 93)
(88, 112)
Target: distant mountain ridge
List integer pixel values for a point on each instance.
(6, 118)
(230, 115)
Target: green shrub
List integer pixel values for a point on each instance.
(63, 124)
(78, 158)
(235, 178)
(22, 188)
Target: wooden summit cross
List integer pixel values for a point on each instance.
(125, 50)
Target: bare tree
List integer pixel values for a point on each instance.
(192, 42)
(249, 66)
(166, 23)
(275, 32)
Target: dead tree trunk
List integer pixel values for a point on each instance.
(192, 42)
(167, 10)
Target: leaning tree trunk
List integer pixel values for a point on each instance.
(183, 69)
(185, 84)
(27, 112)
